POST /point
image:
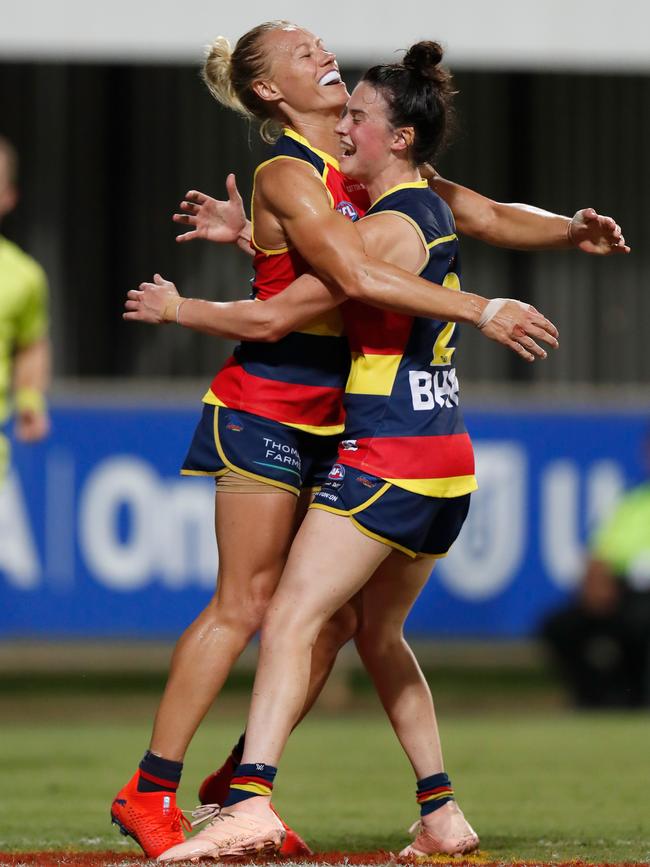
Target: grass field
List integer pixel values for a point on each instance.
(537, 788)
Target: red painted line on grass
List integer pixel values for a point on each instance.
(121, 859)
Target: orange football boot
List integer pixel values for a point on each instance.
(152, 819)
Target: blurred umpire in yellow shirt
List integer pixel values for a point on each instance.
(24, 343)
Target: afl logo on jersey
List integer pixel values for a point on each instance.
(337, 472)
(348, 210)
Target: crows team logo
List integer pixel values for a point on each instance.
(348, 210)
(234, 423)
(337, 473)
(349, 445)
(366, 482)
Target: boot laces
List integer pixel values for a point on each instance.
(206, 813)
(179, 820)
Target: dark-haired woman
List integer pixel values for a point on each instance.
(401, 484)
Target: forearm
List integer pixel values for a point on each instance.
(236, 320)
(516, 226)
(382, 285)
(32, 371)
(244, 239)
(525, 227)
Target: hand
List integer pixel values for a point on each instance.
(154, 303)
(595, 234)
(515, 325)
(31, 426)
(212, 219)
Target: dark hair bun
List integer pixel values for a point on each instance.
(423, 59)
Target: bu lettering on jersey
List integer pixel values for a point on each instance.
(300, 380)
(402, 396)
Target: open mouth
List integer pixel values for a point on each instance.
(347, 149)
(331, 77)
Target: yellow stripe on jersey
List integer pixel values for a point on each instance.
(372, 374)
(455, 486)
(328, 324)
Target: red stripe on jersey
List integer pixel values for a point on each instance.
(425, 457)
(307, 405)
(313, 405)
(375, 332)
(274, 273)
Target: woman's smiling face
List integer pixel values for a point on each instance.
(365, 133)
(301, 71)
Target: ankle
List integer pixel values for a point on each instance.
(433, 793)
(157, 774)
(260, 805)
(249, 781)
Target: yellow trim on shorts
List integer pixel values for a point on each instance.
(442, 240)
(284, 485)
(349, 512)
(214, 473)
(366, 532)
(325, 431)
(389, 542)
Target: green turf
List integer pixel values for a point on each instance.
(551, 788)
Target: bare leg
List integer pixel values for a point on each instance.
(386, 601)
(319, 578)
(254, 533)
(338, 630)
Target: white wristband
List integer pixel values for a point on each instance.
(492, 308)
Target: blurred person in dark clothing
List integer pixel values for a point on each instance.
(601, 641)
(24, 344)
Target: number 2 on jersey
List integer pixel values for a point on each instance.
(442, 352)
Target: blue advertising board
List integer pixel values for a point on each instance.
(100, 536)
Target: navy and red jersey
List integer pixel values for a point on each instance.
(403, 422)
(300, 380)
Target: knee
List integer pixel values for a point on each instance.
(287, 627)
(379, 640)
(340, 628)
(242, 611)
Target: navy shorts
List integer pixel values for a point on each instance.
(411, 523)
(259, 448)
